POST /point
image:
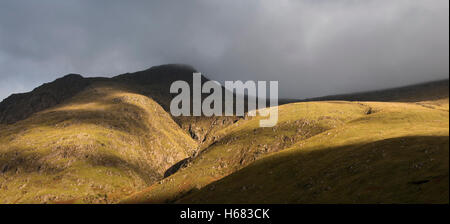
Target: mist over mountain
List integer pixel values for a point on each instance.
(314, 48)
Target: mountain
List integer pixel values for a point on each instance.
(109, 140)
(20, 106)
(390, 152)
(91, 140)
(398, 153)
(320, 152)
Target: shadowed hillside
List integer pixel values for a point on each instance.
(376, 172)
(20, 106)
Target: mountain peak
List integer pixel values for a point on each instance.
(20, 106)
(72, 76)
(162, 74)
(173, 67)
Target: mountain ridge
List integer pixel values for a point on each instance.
(160, 77)
(109, 140)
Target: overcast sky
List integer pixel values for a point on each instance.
(312, 47)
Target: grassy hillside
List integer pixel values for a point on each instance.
(108, 140)
(96, 140)
(155, 84)
(243, 142)
(335, 152)
(101, 145)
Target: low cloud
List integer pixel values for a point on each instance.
(311, 47)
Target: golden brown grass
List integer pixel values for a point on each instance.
(100, 146)
(112, 142)
(346, 150)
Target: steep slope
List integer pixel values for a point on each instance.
(20, 106)
(155, 83)
(95, 140)
(98, 146)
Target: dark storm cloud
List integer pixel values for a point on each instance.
(312, 47)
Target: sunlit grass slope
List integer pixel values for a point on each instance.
(396, 154)
(334, 152)
(243, 142)
(98, 147)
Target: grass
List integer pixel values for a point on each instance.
(114, 141)
(380, 142)
(103, 144)
(376, 172)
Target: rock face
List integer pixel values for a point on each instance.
(20, 106)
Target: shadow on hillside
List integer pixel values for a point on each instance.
(147, 175)
(245, 145)
(125, 117)
(174, 168)
(21, 160)
(20, 106)
(399, 170)
(26, 161)
(118, 116)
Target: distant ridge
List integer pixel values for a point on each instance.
(20, 106)
(428, 91)
(155, 83)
